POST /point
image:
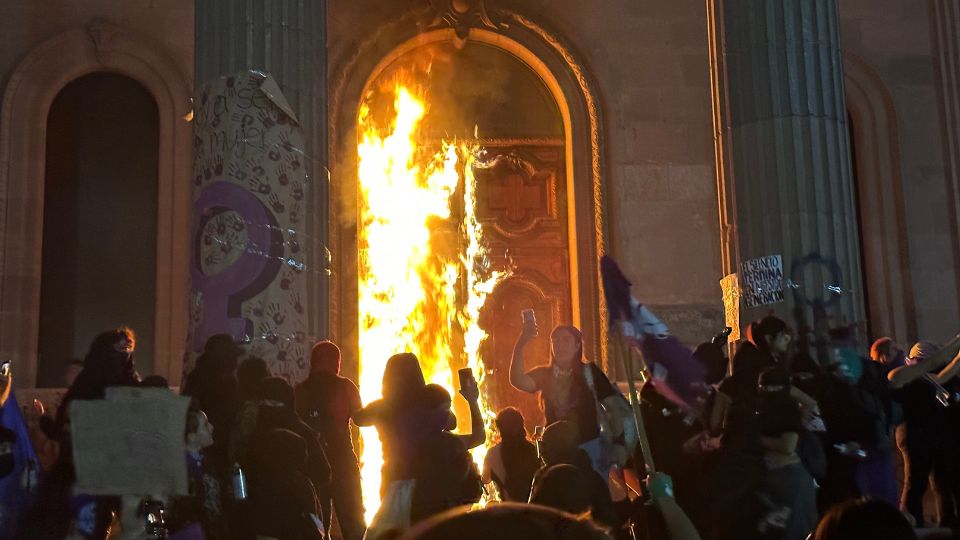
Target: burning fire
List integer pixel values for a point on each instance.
(422, 274)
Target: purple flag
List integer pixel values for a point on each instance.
(676, 374)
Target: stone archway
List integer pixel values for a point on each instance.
(571, 87)
(27, 99)
(886, 257)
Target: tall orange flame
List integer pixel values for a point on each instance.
(422, 274)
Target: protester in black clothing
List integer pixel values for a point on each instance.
(739, 467)
(277, 412)
(512, 462)
(250, 374)
(326, 401)
(567, 479)
(786, 495)
(213, 385)
(283, 501)
(109, 362)
(445, 475)
(251, 371)
(437, 401)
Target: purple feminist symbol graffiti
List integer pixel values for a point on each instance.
(256, 267)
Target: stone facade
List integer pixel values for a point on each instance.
(650, 67)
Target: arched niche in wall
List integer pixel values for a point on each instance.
(883, 234)
(32, 87)
(99, 221)
(568, 84)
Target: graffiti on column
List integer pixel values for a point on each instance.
(247, 267)
(812, 305)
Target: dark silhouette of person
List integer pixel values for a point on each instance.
(398, 417)
(213, 385)
(283, 499)
(250, 374)
(506, 521)
(108, 362)
(864, 519)
(277, 412)
(511, 463)
(567, 480)
(326, 401)
(54, 513)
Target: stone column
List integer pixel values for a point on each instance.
(286, 40)
(783, 155)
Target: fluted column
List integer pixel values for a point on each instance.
(276, 139)
(783, 155)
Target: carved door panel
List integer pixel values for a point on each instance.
(522, 207)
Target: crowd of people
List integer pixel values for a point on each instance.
(783, 445)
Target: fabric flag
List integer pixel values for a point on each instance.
(676, 374)
(17, 485)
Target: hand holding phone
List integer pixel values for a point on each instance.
(468, 384)
(529, 324)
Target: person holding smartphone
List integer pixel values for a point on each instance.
(563, 388)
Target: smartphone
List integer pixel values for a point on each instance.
(466, 377)
(5, 368)
(529, 320)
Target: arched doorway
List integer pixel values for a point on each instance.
(481, 93)
(875, 150)
(577, 156)
(99, 220)
(545, 191)
(27, 97)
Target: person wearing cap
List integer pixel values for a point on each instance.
(924, 438)
(213, 385)
(326, 401)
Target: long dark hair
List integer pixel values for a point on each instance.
(519, 456)
(402, 377)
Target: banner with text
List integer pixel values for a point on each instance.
(761, 281)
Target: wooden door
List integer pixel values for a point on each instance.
(522, 206)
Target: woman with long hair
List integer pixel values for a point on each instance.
(512, 462)
(397, 416)
(563, 388)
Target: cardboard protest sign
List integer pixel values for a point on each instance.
(131, 443)
(761, 281)
(731, 304)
